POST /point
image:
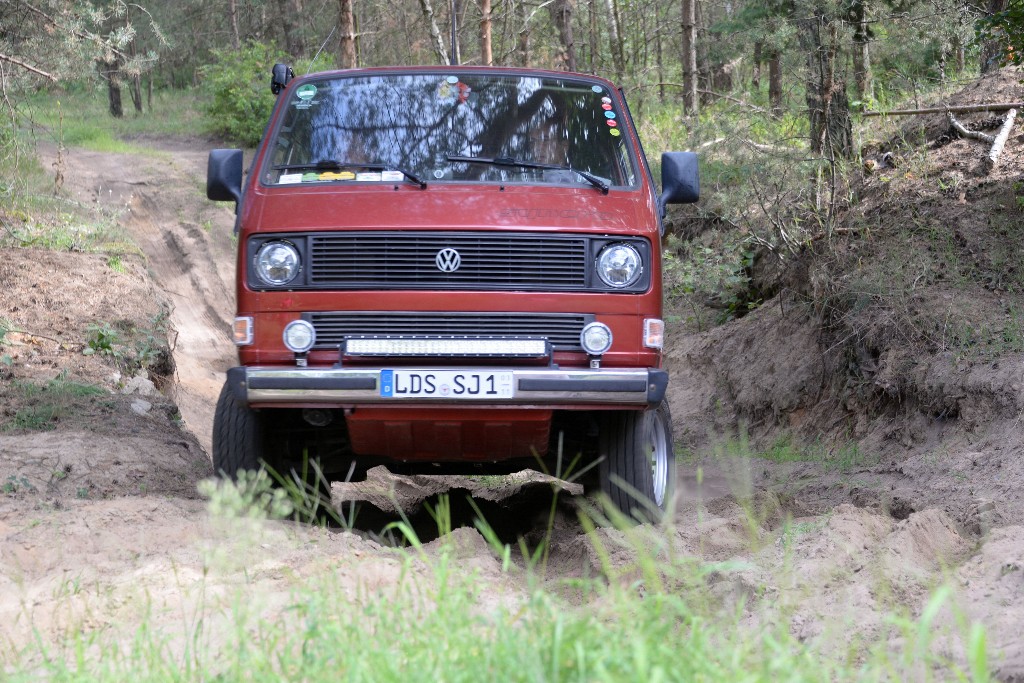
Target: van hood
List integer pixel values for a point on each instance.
(446, 207)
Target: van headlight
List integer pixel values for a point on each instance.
(619, 265)
(596, 338)
(299, 336)
(277, 263)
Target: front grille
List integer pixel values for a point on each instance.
(561, 329)
(407, 260)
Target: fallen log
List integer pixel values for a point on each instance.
(966, 132)
(997, 145)
(958, 109)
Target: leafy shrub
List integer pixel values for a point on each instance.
(238, 83)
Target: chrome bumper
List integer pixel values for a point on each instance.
(533, 386)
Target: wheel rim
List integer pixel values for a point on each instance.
(659, 455)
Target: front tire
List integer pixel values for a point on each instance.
(237, 436)
(638, 469)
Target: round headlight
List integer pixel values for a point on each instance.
(596, 338)
(277, 263)
(618, 265)
(299, 336)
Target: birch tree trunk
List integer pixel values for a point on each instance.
(435, 32)
(233, 20)
(615, 38)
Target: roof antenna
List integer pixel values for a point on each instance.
(455, 39)
(310, 68)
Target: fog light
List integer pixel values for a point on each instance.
(596, 338)
(654, 333)
(299, 336)
(242, 331)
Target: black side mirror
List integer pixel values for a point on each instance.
(680, 179)
(279, 77)
(224, 176)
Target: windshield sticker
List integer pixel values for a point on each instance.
(368, 177)
(606, 107)
(337, 175)
(452, 79)
(310, 177)
(392, 176)
(611, 123)
(606, 100)
(306, 92)
(597, 89)
(450, 89)
(609, 115)
(615, 132)
(289, 178)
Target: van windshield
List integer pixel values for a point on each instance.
(436, 127)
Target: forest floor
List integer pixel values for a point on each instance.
(100, 506)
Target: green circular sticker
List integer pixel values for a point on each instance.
(615, 132)
(306, 92)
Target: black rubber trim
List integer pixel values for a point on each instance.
(657, 384)
(314, 383)
(236, 383)
(588, 385)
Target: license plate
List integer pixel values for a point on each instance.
(445, 384)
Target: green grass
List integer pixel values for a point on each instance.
(43, 405)
(842, 458)
(80, 117)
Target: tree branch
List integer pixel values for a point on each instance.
(29, 67)
(960, 109)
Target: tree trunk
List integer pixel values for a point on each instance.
(755, 76)
(594, 53)
(486, 55)
(347, 31)
(829, 110)
(775, 82)
(703, 57)
(616, 40)
(111, 70)
(523, 37)
(435, 32)
(690, 99)
(661, 63)
(561, 13)
(992, 50)
(861, 50)
(285, 15)
(233, 21)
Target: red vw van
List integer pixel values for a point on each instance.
(451, 270)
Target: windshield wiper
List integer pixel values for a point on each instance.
(508, 161)
(335, 165)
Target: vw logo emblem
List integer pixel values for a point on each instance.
(448, 260)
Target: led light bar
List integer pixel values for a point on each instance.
(445, 346)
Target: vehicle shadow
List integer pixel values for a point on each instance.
(524, 510)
